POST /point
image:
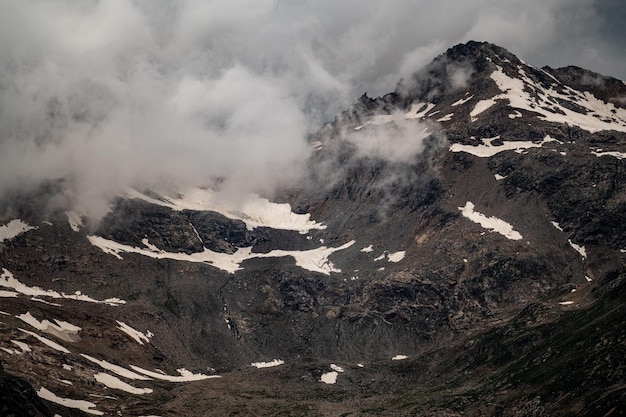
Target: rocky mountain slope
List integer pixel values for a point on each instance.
(456, 248)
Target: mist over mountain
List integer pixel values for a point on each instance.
(109, 95)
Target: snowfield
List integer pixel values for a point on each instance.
(597, 115)
(13, 228)
(487, 149)
(491, 223)
(253, 210)
(315, 260)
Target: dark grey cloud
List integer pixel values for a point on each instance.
(111, 94)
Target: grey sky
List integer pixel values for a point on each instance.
(116, 93)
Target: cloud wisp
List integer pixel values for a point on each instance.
(119, 93)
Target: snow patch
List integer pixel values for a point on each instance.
(336, 368)
(556, 226)
(480, 107)
(315, 260)
(614, 154)
(82, 405)
(597, 116)
(8, 281)
(329, 377)
(446, 118)
(23, 346)
(566, 303)
(62, 329)
(111, 381)
(368, 249)
(121, 371)
(185, 375)
(253, 210)
(396, 256)
(413, 113)
(487, 149)
(135, 334)
(75, 220)
(499, 177)
(13, 228)
(46, 341)
(462, 101)
(270, 364)
(515, 115)
(491, 223)
(577, 248)
(399, 357)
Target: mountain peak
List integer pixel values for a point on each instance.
(462, 65)
(478, 50)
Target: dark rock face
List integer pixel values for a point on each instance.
(491, 325)
(18, 398)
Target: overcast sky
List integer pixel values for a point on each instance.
(110, 94)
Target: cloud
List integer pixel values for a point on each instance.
(119, 93)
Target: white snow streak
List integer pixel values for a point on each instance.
(8, 281)
(491, 223)
(121, 371)
(13, 228)
(111, 381)
(62, 329)
(75, 220)
(25, 348)
(556, 226)
(336, 368)
(135, 334)
(579, 249)
(480, 107)
(599, 116)
(254, 211)
(270, 364)
(614, 154)
(487, 150)
(368, 249)
(315, 260)
(413, 113)
(46, 341)
(82, 405)
(399, 357)
(185, 375)
(396, 256)
(462, 101)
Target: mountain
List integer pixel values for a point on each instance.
(457, 247)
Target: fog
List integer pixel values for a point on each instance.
(120, 93)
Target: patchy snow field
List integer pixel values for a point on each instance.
(253, 210)
(13, 228)
(315, 260)
(491, 223)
